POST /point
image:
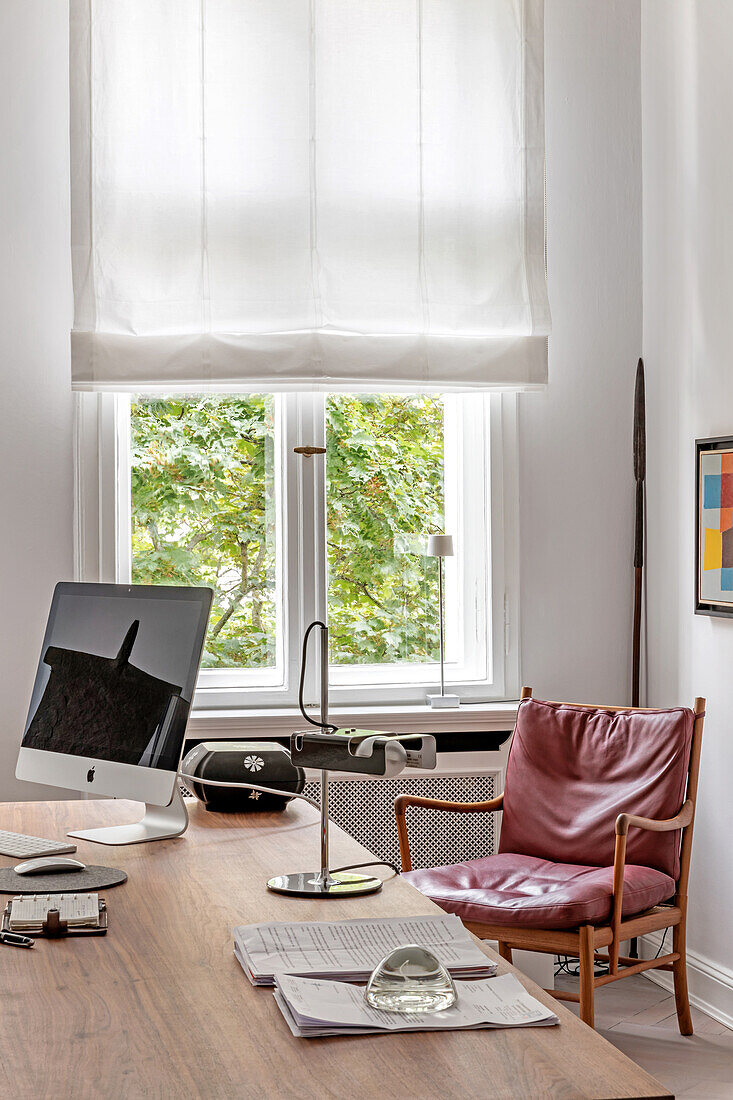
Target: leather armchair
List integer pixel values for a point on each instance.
(597, 817)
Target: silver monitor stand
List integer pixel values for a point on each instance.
(158, 823)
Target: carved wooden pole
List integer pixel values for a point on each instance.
(640, 477)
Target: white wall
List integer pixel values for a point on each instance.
(577, 487)
(35, 312)
(687, 70)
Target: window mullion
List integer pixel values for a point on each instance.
(293, 549)
(319, 508)
(119, 412)
(308, 485)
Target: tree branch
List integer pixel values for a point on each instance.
(196, 539)
(362, 588)
(246, 586)
(154, 534)
(226, 616)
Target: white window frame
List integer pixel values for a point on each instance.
(102, 553)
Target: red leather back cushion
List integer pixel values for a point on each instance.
(572, 770)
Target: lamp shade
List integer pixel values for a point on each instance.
(440, 546)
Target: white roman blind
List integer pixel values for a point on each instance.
(308, 193)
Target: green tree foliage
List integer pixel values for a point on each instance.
(384, 492)
(204, 512)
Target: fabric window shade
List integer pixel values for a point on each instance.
(286, 194)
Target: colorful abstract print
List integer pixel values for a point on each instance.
(716, 521)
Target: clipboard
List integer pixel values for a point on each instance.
(53, 928)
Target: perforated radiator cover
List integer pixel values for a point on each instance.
(365, 810)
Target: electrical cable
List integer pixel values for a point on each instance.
(563, 963)
(564, 967)
(289, 794)
(660, 947)
(250, 787)
(303, 662)
(371, 863)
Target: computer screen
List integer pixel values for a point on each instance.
(117, 673)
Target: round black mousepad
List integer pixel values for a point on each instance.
(87, 881)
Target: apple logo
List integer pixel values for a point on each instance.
(90, 775)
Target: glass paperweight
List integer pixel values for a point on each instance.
(410, 979)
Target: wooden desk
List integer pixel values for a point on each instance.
(160, 1008)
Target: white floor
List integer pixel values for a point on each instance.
(639, 1018)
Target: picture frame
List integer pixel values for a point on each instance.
(714, 526)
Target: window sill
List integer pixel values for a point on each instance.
(496, 717)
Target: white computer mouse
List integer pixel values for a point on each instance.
(48, 865)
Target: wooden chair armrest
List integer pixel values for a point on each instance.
(404, 800)
(623, 823)
(679, 821)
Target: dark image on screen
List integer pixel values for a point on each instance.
(102, 700)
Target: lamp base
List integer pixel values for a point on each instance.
(340, 884)
(444, 701)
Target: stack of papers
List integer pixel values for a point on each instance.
(349, 950)
(315, 1008)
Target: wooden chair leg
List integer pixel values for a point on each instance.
(679, 973)
(505, 951)
(587, 974)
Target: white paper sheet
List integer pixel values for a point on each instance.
(314, 1007)
(350, 949)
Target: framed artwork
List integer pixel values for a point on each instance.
(714, 524)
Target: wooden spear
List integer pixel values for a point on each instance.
(639, 476)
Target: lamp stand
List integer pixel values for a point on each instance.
(324, 883)
(442, 700)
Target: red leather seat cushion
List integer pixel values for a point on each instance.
(572, 770)
(523, 891)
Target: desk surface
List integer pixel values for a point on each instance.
(160, 1008)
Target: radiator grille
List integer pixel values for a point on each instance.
(365, 810)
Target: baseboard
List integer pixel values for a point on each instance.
(710, 985)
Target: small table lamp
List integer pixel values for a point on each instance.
(441, 546)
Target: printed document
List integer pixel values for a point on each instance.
(314, 1008)
(349, 950)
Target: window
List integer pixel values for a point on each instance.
(207, 489)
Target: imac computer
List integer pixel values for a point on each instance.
(111, 699)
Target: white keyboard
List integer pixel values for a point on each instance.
(15, 844)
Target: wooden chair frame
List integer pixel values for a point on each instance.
(586, 940)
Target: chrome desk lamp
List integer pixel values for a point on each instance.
(324, 882)
(366, 752)
(441, 546)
